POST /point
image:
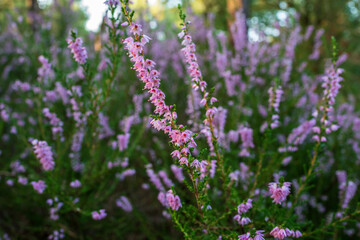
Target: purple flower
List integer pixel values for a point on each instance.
(112, 2)
(279, 191)
(44, 72)
(213, 168)
(244, 207)
(154, 178)
(55, 122)
(126, 173)
(124, 203)
(22, 180)
(39, 186)
(177, 172)
(165, 178)
(123, 141)
(79, 52)
(173, 201)
(44, 154)
(75, 184)
(274, 103)
(99, 215)
(10, 182)
(349, 193)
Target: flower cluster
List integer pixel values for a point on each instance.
(166, 116)
(246, 134)
(243, 208)
(274, 103)
(101, 214)
(258, 235)
(79, 52)
(331, 85)
(57, 234)
(45, 71)
(198, 83)
(43, 152)
(347, 189)
(170, 200)
(124, 203)
(75, 184)
(39, 186)
(281, 233)
(279, 191)
(123, 141)
(55, 122)
(173, 201)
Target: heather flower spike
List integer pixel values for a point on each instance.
(79, 52)
(165, 119)
(99, 215)
(275, 94)
(39, 186)
(279, 191)
(43, 152)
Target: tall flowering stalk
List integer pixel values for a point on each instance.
(165, 115)
(43, 152)
(77, 49)
(200, 85)
(331, 86)
(274, 104)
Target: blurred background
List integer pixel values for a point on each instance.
(339, 18)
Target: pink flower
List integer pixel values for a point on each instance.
(124, 24)
(242, 220)
(44, 154)
(80, 54)
(39, 186)
(176, 154)
(173, 201)
(212, 100)
(279, 191)
(166, 116)
(184, 161)
(135, 28)
(195, 164)
(99, 215)
(244, 207)
(316, 130)
(248, 236)
(283, 233)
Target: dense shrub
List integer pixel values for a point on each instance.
(261, 144)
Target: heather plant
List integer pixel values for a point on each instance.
(205, 134)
